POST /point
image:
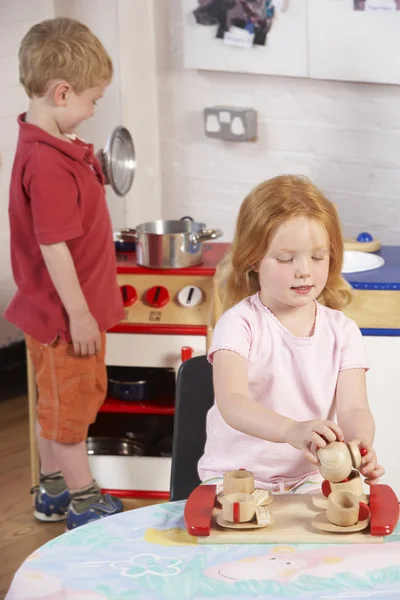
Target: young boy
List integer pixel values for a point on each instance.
(63, 261)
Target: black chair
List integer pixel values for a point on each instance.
(194, 397)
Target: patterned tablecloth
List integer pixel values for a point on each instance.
(146, 554)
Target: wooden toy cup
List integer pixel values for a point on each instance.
(352, 485)
(343, 509)
(238, 482)
(338, 459)
(238, 508)
(356, 454)
(335, 462)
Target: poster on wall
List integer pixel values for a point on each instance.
(298, 38)
(240, 23)
(249, 36)
(377, 5)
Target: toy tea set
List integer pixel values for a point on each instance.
(341, 513)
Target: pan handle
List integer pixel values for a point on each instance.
(206, 234)
(128, 234)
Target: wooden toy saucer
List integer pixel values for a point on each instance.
(320, 501)
(338, 522)
(322, 523)
(265, 497)
(246, 525)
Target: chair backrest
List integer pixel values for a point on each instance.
(194, 397)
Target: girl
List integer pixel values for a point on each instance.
(285, 359)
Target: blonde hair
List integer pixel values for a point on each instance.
(268, 206)
(62, 49)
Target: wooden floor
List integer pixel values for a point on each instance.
(20, 533)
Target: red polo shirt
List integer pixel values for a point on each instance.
(57, 195)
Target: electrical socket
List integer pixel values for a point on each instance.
(230, 123)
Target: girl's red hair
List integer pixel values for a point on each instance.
(268, 206)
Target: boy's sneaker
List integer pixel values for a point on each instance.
(104, 506)
(52, 498)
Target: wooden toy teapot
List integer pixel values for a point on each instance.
(338, 459)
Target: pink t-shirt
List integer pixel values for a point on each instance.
(295, 377)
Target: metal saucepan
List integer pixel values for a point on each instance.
(109, 446)
(170, 244)
(135, 391)
(118, 161)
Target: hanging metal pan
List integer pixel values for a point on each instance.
(119, 161)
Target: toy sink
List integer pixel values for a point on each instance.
(357, 262)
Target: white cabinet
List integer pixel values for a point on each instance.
(144, 350)
(350, 45)
(148, 474)
(383, 382)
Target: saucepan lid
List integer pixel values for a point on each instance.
(119, 161)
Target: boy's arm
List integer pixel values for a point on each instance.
(83, 327)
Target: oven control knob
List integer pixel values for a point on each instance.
(129, 295)
(190, 296)
(157, 296)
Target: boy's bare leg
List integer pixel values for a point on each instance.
(73, 462)
(48, 460)
(71, 459)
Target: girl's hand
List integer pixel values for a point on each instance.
(303, 434)
(369, 464)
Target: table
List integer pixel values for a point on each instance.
(147, 554)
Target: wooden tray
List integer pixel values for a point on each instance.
(292, 514)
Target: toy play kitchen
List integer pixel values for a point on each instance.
(167, 289)
(342, 513)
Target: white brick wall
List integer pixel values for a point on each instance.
(139, 104)
(345, 136)
(16, 16)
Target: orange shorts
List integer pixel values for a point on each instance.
(71, 389)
